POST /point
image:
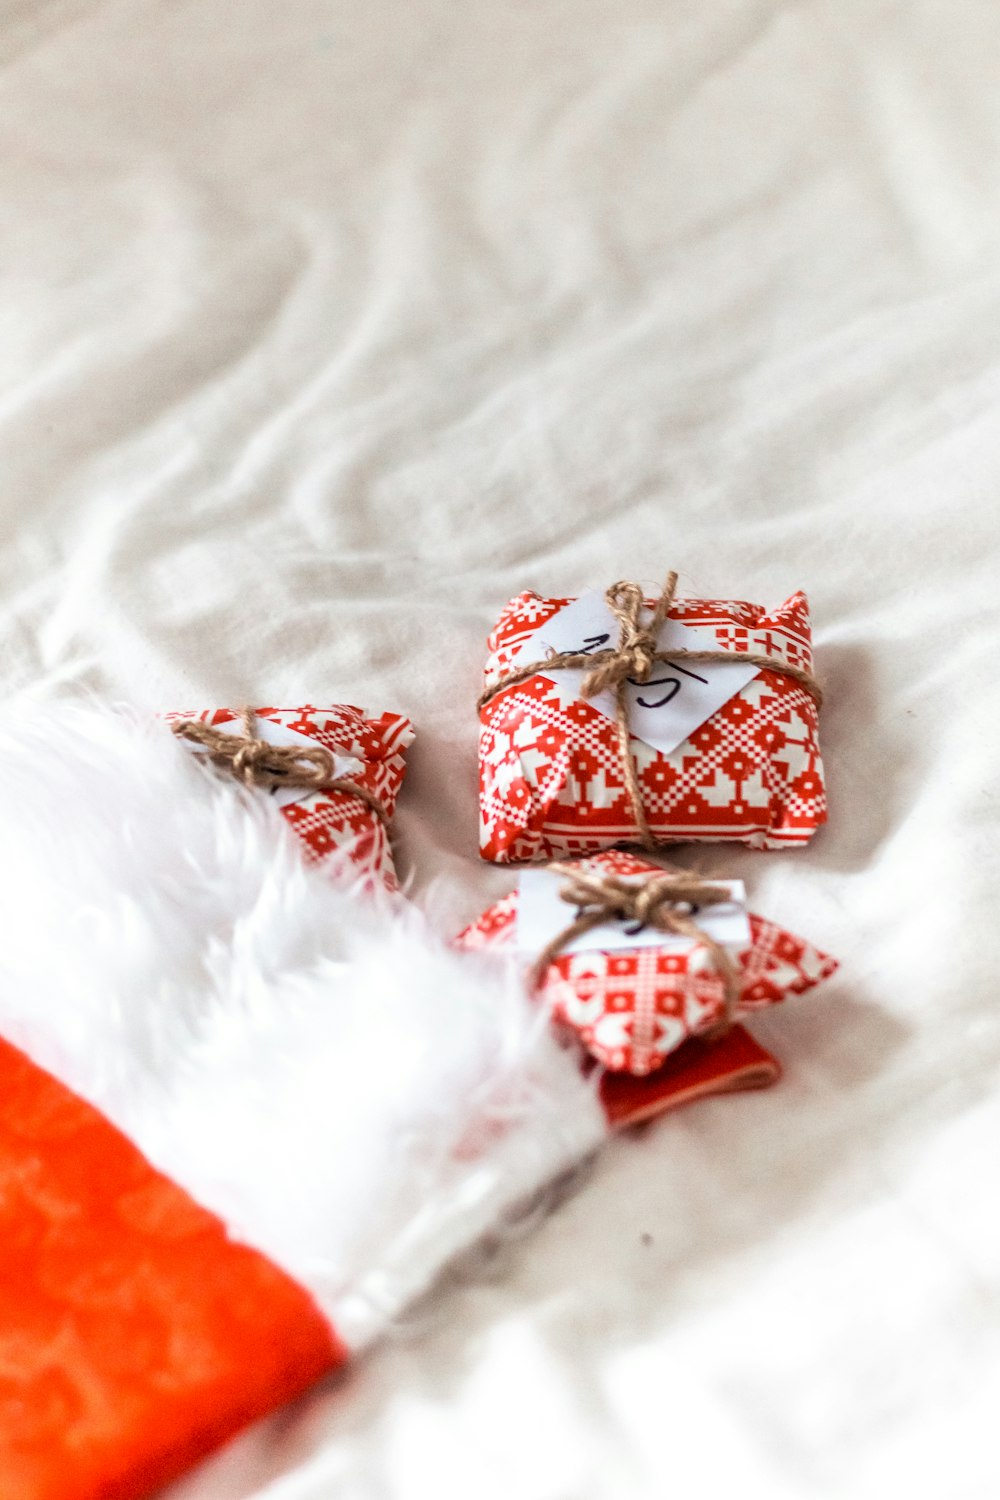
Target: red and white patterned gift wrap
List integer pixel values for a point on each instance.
(631, 1008)
(550, 770)
(336, 826)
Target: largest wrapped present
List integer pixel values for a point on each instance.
(611, 719)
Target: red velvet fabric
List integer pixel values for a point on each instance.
(135, 1336)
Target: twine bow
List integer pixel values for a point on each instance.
(667, 902)
(636, 655)
(633, 660)
(254, 762)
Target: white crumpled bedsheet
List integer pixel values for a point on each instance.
(329, 325)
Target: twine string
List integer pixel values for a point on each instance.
(666, 902)
(251, 760)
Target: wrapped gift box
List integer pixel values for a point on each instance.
(551, 777)
(631, 1007)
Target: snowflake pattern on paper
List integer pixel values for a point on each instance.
(335, 826)
(550, 772)
(631, 1008)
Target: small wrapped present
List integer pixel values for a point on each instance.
(614, 719)
(633, 960)
(334, 772)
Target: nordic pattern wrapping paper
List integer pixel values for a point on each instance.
(336, 827)
(631, 1008)
(550, 765)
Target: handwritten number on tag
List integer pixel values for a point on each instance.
(628, 928)
(673, 689)
(591, 643)
(675, 686)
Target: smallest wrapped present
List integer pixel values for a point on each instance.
(334, 772)
(633, 960)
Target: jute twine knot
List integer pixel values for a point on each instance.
(635, 656)
(633, 660)
(251, 760)
(667, 902)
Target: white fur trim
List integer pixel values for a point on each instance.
(349, 1095)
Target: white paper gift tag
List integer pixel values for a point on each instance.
(279, 734)
(675, 701)
(542, 915)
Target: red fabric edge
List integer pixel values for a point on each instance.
(696, 1070)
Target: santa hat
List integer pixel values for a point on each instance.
(246, 1113)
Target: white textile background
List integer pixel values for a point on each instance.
(328, 326)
